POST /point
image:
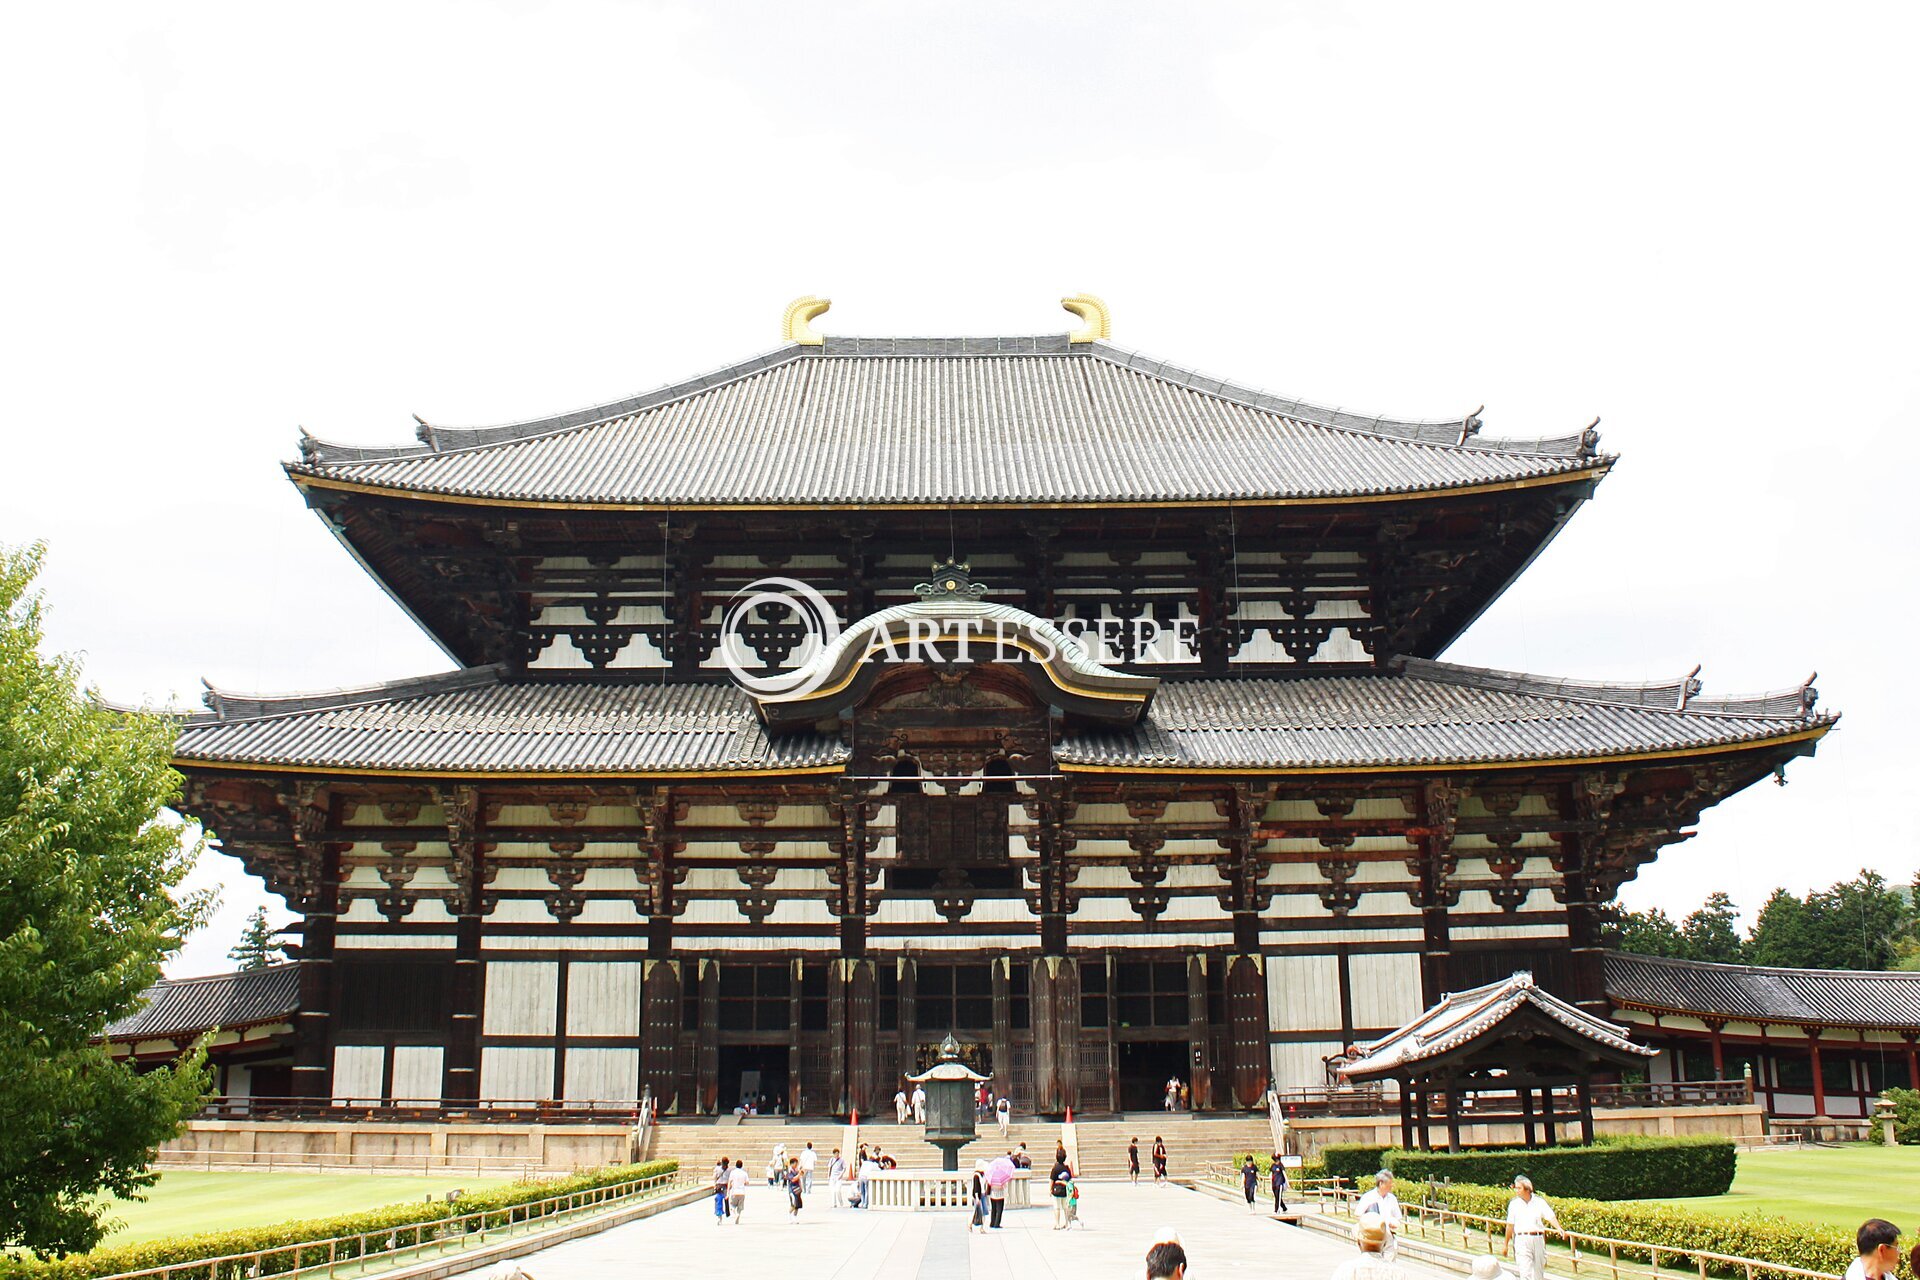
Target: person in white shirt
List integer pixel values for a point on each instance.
(1371, 1234)
(737, 1190)
(1529, 1218)
(1003, 1115)
(868, 1170)
(1879, 1244)
(919, 1105)
(900, 1107)
(1382, 1201)
(808, 1159)
(837, 1178)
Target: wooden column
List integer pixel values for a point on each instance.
(862, 1050)
(706, 1053)
(1420, 1115)
(909, 1034)
(460, 1081)
(310, 814)
(1546, 1112)
(1584, 1092)
(1440, 809)
(1819, 1080)
(1453, 1113)
(1406, 1115)
(1055, 994)
(1526, 1115)
(797, 1086)
(1714, 1028)
(1252, 1063)
(1913, 1062)
(661, 1008)
(1199, 1059)
(1002, 1022)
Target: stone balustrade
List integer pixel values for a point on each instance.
(914, 1189)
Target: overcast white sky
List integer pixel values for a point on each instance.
(223, 222)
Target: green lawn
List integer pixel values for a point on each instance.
(185, 1202)
(1841, 1186)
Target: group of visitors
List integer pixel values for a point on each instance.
(1276, 1175)
(1159, 1161)
(985, 1104)
(758, 1104)
(987, 1189)
(1379, 1218)
(791, 1173)
(1179, 1094)
(910, 1106)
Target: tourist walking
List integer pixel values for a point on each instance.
(977, 1198)
(1278, 1176)
(900, 1105)
(721, 1169)
(1250, 1180)
(999, 1173)
(1369, 1264)
(1073, 1201)
(864, 1187)
(1879, 1246)
(737, 1190)
(1529, 1218)
(1003, 1116)
(1159, 1160)
(1382, 1201)
(919, 1105)
(837, 1179)
(1057, 1187)
(1173, 1094)
(794, 1188)
(1133, 1161)
(1167, 1260)
(808, 1159)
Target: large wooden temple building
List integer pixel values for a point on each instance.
(1212, 806)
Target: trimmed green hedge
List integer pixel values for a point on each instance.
(1620, 1168)
(214, 1244)
(1765, 1239)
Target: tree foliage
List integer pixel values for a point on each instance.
(1862, 923)
(89, 906)
(259, 944)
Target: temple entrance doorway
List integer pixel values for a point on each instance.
(753, 1071)
(1145, 1066)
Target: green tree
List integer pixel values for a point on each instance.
(1649, 933)
(89, 906)
(1783, 934)
(1709, 933)
(259, 945)
(1862, 922)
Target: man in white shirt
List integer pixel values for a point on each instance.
(1529, 1218)
(1382, 1201)
(837, 1178)
(900, 1107)
(869, 1169)
(1371, 1234)
(1879, 1244)
(737, 1190)
(919, 1105)
(1003, 1115)
(808, 1159)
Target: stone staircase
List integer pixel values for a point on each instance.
(1192, 1141)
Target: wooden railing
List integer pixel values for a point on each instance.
(375, 1250)
(1583, 1254)
(1372, 1100)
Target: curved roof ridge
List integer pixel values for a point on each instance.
(226, 976)
(1457, 433)
(315, 452)
(224, 706)
(1681, 696)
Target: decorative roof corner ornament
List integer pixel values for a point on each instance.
(1590, 439)
(422, 432)
(797, 327)
(1809, 696)
(951, 580)
(1690, 687)
(1470, 425)
(309, 447)
(1095, 320)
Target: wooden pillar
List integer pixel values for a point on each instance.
(706, 1054)
(1003, 1022)
(1420, 1114)
(460, 1082)
(862, 1016)
(1714, 1028)
(1526, 1115)
(1406, 1115)
(1246, 983)
(1546, 1112)
(310, 810)
(1441, 804)
(1819, 1081)
(1913, 1062)
(909, 1032)
(1585, 1094)
(1199, 1060)
(797, 1086)
(1453, 1113)
(662, 1009)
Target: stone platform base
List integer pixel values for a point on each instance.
(397, 1147)
(1742, 1120)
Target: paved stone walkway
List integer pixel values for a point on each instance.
(828, 1244)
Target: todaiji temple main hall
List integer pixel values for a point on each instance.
(1220, 810)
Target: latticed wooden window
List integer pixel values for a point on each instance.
(951, 831)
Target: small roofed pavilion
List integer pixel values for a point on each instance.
(1508, 1040)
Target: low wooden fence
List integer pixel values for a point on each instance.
(377, 1250)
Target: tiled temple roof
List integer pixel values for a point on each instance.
(1425, 713)
(905, 421)
(1749, 993)
(1464, 1016)
(188, 1006)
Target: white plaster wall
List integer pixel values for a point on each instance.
(602, 1000)
(521, 998)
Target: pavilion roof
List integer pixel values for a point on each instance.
(1466, 1016)
(188, 1006)
(934, 421)
(1425, 713)
(1753, 993)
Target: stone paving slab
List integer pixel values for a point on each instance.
(844, 1244)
